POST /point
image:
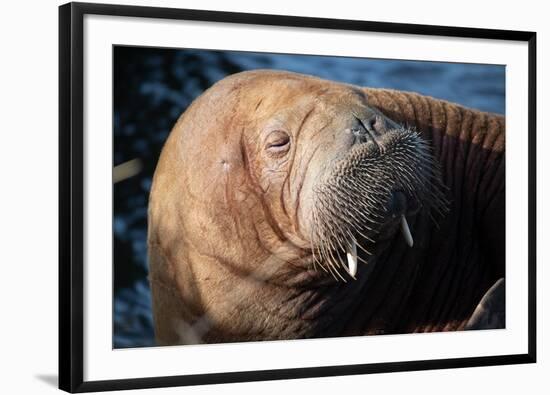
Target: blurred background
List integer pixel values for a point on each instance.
(152, 87)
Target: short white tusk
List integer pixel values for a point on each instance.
(406, 231)
(351, 255)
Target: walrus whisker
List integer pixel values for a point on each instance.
(332, 271)
(354, 225)
(322, 249)
(360, 212)
(364, 249)
(334, 264)
(348, 198)
(352, 208)
(327, 251)
(314, 258)
(345, 249)
(350, 236)
(342, 247)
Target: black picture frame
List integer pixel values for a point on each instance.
(71, 205)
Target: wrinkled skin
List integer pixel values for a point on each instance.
(230, 215)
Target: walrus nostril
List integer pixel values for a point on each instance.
(362, 133)
(376, 125)
(371, 125)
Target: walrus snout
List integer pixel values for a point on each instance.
(366, 195)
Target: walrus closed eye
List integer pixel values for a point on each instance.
(285, 206)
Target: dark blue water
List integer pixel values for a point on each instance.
(152, 87)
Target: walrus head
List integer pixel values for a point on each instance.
(332, 174)
(273, 181)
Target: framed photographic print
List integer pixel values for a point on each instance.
(253, 197)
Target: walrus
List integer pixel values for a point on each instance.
(285, 206)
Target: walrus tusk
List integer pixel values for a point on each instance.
(406, 231)
(351, 254)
